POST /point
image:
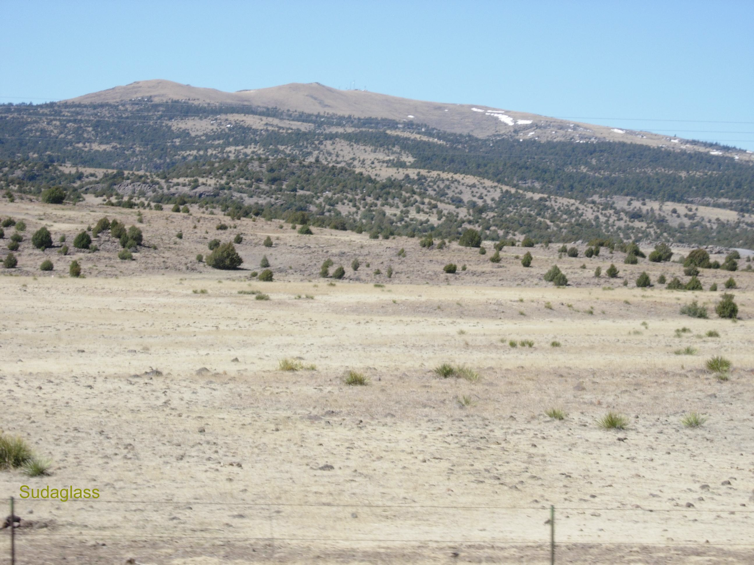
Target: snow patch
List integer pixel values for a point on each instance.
(617, 131)
(673, 141)
(503, 118)
(715, 152)
(410, 116)
(477, 110)
(524, 121)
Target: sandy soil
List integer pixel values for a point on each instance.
(171, 403)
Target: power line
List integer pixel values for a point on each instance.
(651, 120)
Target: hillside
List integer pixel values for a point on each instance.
(315, 98)
(373, 163)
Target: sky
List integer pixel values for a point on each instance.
(681, 68)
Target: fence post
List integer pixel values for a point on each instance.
(12, 533)
(552, 534)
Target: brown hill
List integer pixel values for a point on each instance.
(313, 98)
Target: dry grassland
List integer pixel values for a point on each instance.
(172, 404)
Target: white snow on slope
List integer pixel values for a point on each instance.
(502, 116)
(617, 131)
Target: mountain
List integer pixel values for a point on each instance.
(315, 98)
(363, 161)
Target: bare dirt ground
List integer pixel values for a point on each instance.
(171, 403)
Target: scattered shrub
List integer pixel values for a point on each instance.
(560, 280)
(10, 261)
(552, 273)
(698, 258)
(527, 242)
(8, 222)
(598, 271)
(662, 279)
(444, 370)
(694, 285)
(643, 280)
(266, 275)
(13, 246)
(694, 310)
(470, 239)
(687, 351)
(713, 287)
(555, 344)
(14, 452)
(556, 414)
(213, 244)
(221, 226)
(294, 365)
(526, 260)
(224, 256)
(693, 420)
(713, 334)
(691, 271)
(661, 253)
(125, 255)
(265, 262)
(339, 272)
(17, 238)
(389, 271)
(675, 284)
(631, 259)
(199, 258)
(355, 378)
(495, 258)
(612, 271)
(355, 265)
(54, 195)
(103, 224)
(613, 421)
(718, 364)
(426, 242)
(82, 241)
(36, 468)
(727, 308)
(573, 251)
(75, 269)
(46, 265)
(262, 297)
(305, 230)
(450, 268)
(730, 283)
(63, 250)
(42, 239)
(267, 242)
(117, 230)
(482, 250)
(729, 265)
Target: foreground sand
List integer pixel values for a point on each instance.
(170, 402)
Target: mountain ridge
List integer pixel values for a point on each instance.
(315, 98)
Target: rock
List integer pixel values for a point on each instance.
(327, 467)
(202, 371)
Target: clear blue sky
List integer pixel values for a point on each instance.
(611, 62)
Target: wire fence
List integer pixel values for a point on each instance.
(165, 530)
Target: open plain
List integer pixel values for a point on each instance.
(158, 382)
